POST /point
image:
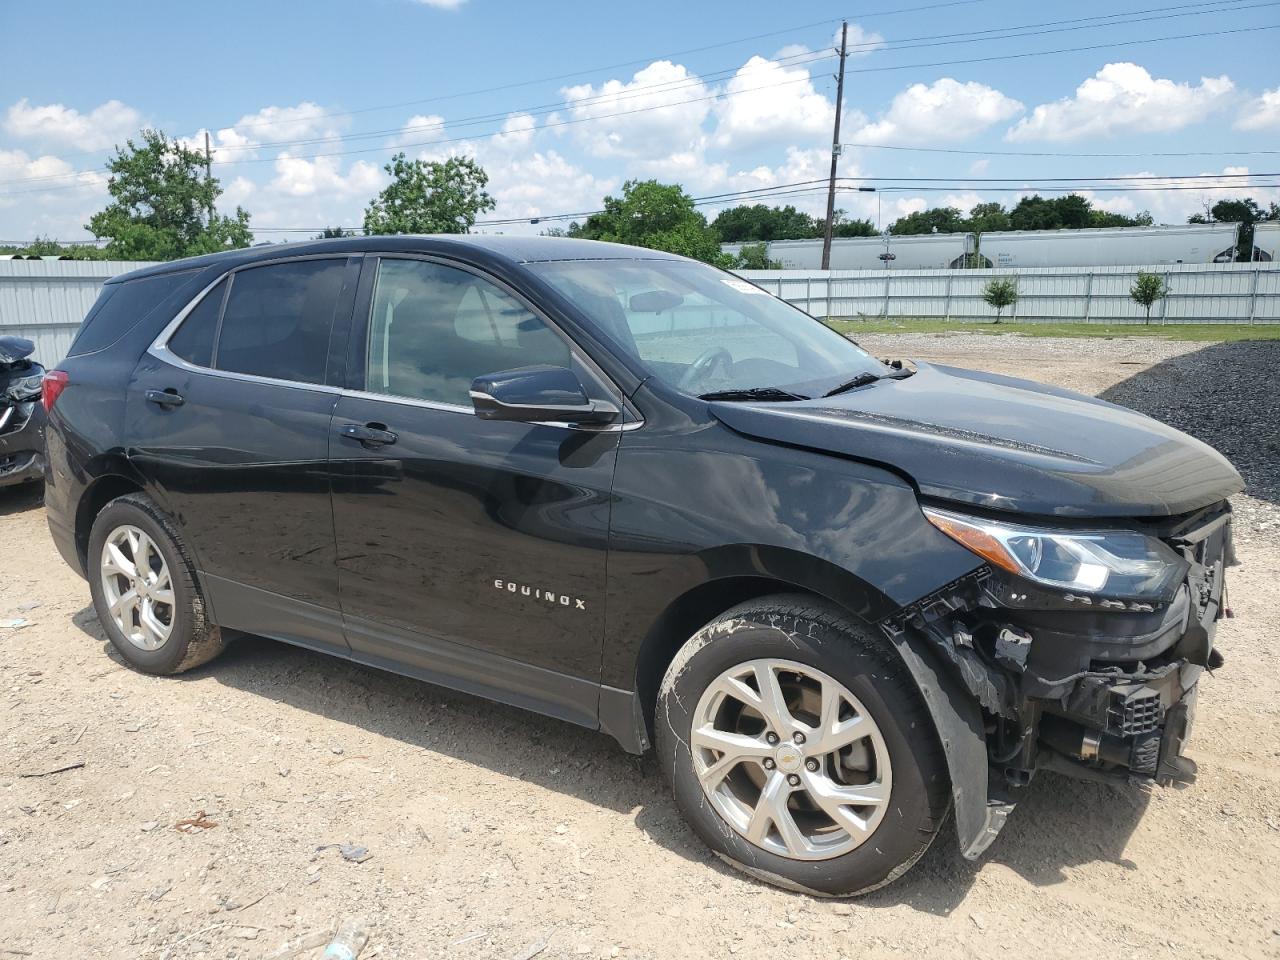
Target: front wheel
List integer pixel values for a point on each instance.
(145, 589)
(800, 749)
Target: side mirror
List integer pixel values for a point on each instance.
(541, 393)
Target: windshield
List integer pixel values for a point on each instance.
(705, 331)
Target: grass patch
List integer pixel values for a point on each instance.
(1199, 332)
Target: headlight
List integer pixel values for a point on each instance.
(1105, 563)
(28, 388)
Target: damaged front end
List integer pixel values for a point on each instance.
(1095, 676)
(21, 416)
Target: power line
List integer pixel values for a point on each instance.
(848, 185)
(1060, 154)
(1048, 53)
(1066, 26)
(632, 93)
(869, 15)
(635, 92)
(1214, 6)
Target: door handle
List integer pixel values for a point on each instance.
(165, 398)
(370, 435)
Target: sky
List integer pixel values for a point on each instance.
(562, 102)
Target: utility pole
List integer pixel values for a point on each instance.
(835, 149)
(208, 167)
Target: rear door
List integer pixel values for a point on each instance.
(469, 551)
(229, 416)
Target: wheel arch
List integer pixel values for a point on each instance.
(116, 482)
(735, 575)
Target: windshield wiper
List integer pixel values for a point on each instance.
(752, 393)
(861, 380)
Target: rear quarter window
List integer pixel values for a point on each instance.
(121, 307)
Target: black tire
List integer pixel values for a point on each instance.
(801, 629)
(193, 640)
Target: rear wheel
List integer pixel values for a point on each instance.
(799, 748)
(145, 589)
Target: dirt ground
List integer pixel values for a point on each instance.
(492, 833)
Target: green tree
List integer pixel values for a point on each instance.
(160, 201)
(755, 256)
(660, 216)
(933, 220)
(760, 222)
(1000, 293)
(842, 226)
(1146, 290)
(429, 197)
(1072, 212)
(1245, 212)
(335, 233)
(985, 217)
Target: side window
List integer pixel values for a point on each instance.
(434, 329)
(193, 340)
(278, 319)
(120, 307)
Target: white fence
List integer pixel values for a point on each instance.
(45, 300)
(1198, 293)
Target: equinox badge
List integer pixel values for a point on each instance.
(538, 593)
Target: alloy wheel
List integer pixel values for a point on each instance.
(791, 759)
(137, 587)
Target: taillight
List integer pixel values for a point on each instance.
(55, 381)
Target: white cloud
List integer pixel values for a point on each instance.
(442, 4)
(102, 127)
(303, 192)
(861, 42)
(1174, 206)
(1124, 98)
(305, 121)
(27, 211)
(945, 110)
(1261, 113)
(303, 177)
(517, 132)
(668, 121)
(270, 125)
(768, 102)
(542, 184)
(419, 129)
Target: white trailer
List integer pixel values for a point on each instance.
(1266, 241)
(1111, 246)
(913, 252)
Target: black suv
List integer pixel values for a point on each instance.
(642, 495)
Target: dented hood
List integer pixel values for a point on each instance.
(1003, 444)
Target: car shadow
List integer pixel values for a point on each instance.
(1226, 394)
(22, 498)
(1059, 824)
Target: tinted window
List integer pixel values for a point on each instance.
(193, 341)
(277, 320)
(435, 329)
(120, 307)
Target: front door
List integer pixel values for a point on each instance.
(228, 419)
(469, 551)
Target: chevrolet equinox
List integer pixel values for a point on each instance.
(841, 597)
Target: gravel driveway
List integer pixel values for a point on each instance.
(492, 833)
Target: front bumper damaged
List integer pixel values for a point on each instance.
(1097, 690)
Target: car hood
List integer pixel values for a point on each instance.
(1003, 444)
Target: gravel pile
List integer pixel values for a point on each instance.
(1228, 395)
